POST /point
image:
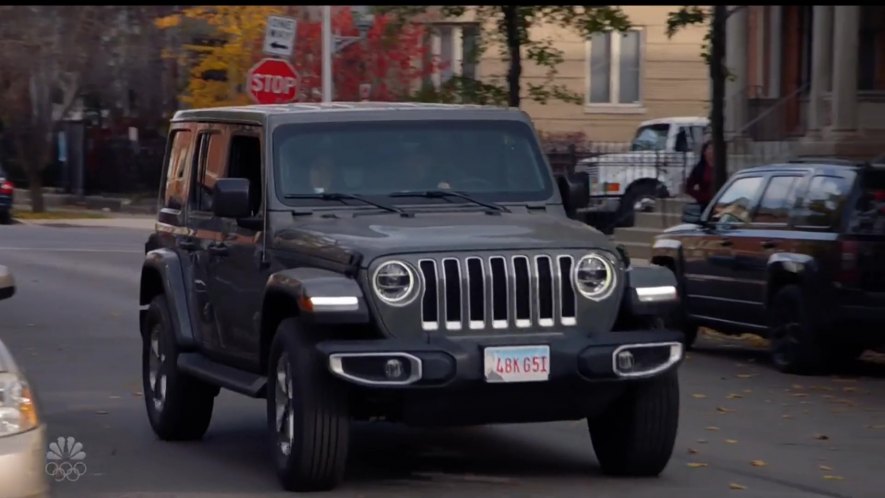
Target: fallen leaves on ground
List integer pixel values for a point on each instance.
(702, 441)
(734, 396)
(821, 437)
(731, 441)
(722, 409)
(737, 487)
(711, 428)
(746, 376)
(102, 412)
(692, 451)
(698, 396)
(825, 468)
(758, 463)
(829, 477)
(696, 465)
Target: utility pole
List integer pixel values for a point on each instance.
(328, 50)
(717, 76)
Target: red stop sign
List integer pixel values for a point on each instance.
(273, 81)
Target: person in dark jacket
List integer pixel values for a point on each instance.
(699, 184)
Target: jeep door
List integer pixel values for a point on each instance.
(767, 234)
(709, 267)
(239, 271)
(205, 232)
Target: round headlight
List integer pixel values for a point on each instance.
(594, 276)
(395, 283)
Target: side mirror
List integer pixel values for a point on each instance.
(691, 213)
(575, 192)
(231, 198)
(7, 283)
(681, 144)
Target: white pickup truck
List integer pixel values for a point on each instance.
(659, 159)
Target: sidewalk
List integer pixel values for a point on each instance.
(117, 204)
(132, 221)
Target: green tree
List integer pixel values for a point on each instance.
(713, 51)
(510, 27)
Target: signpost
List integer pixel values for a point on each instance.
(273, 81)
(279, 36)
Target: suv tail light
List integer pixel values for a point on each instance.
(6, 188)
(849, 269)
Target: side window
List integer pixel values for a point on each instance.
(823, 202)
(175, 195)
(244, 161)
(735, 203)
(209, 166)
(777, 201)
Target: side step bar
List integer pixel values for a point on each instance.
(240, 381)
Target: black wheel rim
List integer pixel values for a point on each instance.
(785, 335)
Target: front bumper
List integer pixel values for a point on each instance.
(23, 465)
(451, 363)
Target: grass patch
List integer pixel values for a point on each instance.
(56, 215)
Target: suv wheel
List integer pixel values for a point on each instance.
(179, 407)
(637, 197)
(636, 434)
(795, 346)
(307, 413)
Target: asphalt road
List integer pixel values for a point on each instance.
(73, 327)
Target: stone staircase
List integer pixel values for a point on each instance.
(638, 239)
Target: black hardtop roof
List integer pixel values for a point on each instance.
(818, 162)
(261, 113)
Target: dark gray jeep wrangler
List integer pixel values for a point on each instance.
(403, 262)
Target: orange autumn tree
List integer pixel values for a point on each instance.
(392, 60)
(218, 67)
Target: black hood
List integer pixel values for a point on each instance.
(385, 234)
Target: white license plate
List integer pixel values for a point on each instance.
(517, 364)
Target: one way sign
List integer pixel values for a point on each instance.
(279, 36)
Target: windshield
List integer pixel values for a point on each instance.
(492, 160)
(651, 137)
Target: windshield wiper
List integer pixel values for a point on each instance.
(339, 196)
(439, 194)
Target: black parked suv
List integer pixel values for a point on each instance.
(406, 262)
(794, 252)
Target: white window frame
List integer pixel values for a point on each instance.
(614, 107)
(457, 49)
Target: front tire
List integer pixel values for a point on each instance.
(636, 434)
(179, 406)
(307, 413)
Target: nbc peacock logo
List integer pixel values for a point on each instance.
(65, 459)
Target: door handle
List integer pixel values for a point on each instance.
(726, 243)
(768, 244)
(218, 249)
(189, 244)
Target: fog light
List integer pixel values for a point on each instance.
(393, 369)
(625, 361)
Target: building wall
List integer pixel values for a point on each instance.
(674, 78)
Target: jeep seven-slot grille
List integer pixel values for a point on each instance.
(497, 292)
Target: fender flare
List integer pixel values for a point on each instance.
(650, 291)
(162, 268)
(799, 267)
(322, 296)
